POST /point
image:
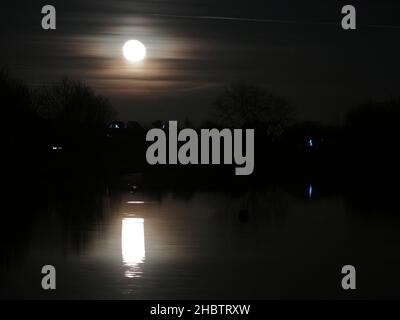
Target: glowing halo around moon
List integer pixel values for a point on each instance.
(134, 51)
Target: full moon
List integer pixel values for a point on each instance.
(134, 51)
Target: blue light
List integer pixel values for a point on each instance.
(310, 143)
(310, 191)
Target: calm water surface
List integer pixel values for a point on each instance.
(141, 244)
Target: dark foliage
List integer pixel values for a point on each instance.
(245, 106)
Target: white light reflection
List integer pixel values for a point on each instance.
(132, 245)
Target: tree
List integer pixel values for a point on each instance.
(375, 117)
(16, 101)
(73, 104)
(241, 105)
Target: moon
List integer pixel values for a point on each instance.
(134, 51)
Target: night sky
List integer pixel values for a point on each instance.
(296, 49)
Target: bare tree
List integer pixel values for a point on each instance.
(241, 105)
(72, 103)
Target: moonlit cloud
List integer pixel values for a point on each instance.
(196, 47)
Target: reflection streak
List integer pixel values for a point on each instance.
(132, 245)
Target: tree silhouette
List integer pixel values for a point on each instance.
(73, 104)
(16, 101)
(375, 117)
(372, 132)
(241, 105)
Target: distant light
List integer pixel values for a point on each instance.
(135, 202)
(310, 143)
(310, 191)
(57, 148)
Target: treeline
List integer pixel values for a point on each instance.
(68, 105)
(364, 146)
(65, 116)
(66, 126)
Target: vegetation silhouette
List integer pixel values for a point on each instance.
(16, 101)
(371, 130)
(241, 105)
(72, 105)
(64, 127)
(22, 129)
(65, 117)
(374, 123)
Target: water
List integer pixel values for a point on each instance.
(133, 243)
